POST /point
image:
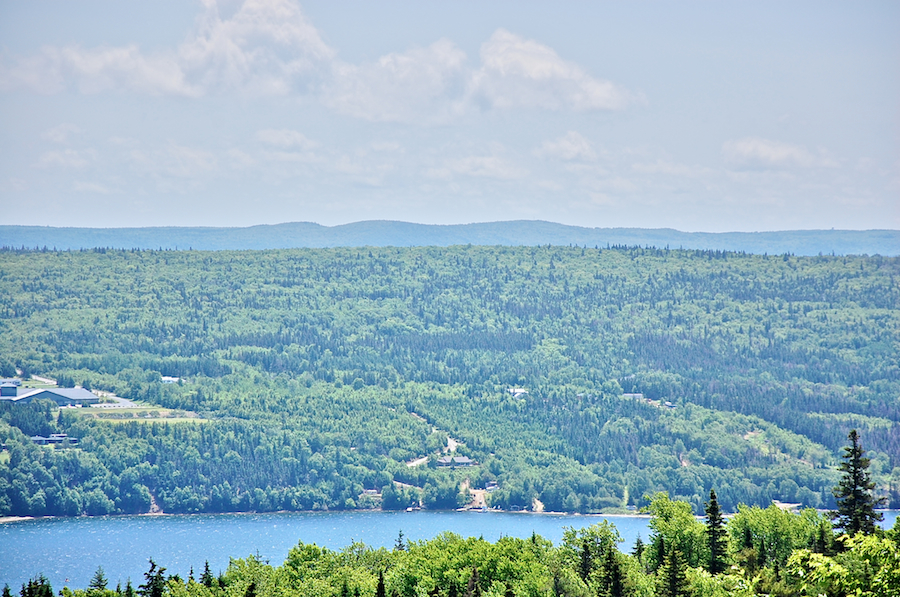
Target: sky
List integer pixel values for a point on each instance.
(699, 116)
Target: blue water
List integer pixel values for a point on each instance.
(68, 550)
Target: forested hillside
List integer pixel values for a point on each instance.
(309, 376)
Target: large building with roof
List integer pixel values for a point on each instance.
(61, 396)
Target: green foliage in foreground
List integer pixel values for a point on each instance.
(317, 374)
(769, 552)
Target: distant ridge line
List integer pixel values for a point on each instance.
(384, 233)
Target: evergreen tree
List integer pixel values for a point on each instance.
(207, 579)
(399, 544)
(38, 586)
(473, 589)
(154, 581)
(824, 539)
(98, 581)
(379, 590)
(715, 535)
(129, 590)
(855, 500)
(638, 549)
(671, 577)
(612, 573)
(6, 591)
(585, 565)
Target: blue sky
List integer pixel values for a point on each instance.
(692, 115)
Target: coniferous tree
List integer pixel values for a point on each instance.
(715, 535)
(612, 573)
(154, 581)
(856, 502)
(129, 590)
(585, 565)
(38, 586)
(473, 589)
(6, 591)
(638, 549)
(98, 581)
(379, 590)
(671, 577)
(207, 579)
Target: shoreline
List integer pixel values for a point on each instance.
(11, 519)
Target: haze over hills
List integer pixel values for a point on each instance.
(381, 233)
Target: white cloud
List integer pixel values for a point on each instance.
(266, 47)
(269, 47)
(518, 72)
(285, 138)
(754, 152)
(571, 146)
(491, 166)
(18, 184)
(240, 159)
(60, 134)
(67, 158)
(661, 166)
(95, 70)
(420, 84)
(173, 161)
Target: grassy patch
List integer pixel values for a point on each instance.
(141, 415)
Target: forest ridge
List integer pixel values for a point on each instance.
(312, 378)
(406, 234)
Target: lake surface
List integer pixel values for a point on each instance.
(68, 550)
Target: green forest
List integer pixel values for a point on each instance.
(758, 551)
(311, 379)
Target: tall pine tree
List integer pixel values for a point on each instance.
(671, 577)
(856, 502)
(715, 535)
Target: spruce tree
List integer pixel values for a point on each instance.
(671, 577)
(38, 586)
(638, 549)
(6, 591)
(715, 535)
(856, 502)
(98, 581)
(474, 587)
(612, 573)
(154, 581)
(585, 565)
(207, 579)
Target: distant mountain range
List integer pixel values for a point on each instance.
(405, 234)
